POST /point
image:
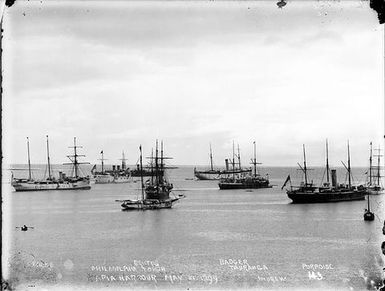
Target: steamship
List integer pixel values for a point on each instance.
(64, 182)
(118, 174)
(307, 192)
(243, 178)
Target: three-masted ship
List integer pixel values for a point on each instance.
(239, 178)
(155, 192)
(73, 182)
(308, 192)
(209, 174)
(374, 173)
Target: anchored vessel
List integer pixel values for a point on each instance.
(244, 178)
(74, 182)
(116, 175)
(374, 184)
(156, 190)
(368, 215)
(209, 174)
(307, 192)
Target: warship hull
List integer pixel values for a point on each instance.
(325, 197)
(40, 186)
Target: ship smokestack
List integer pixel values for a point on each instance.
(334, 178)
(118, 167)
(113, 167)
(227, 164)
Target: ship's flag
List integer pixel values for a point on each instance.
(287, 180)
(101, 152)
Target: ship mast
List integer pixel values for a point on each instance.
(48, 162)
(156, 167)
(75, 156)
(141, 171)
(370, 165)
(29, 161)
(211, 159)
(233, 162)
(239, 158)
(75, 159)
(123, 159)
(304, 165)
(378, 166)
(102, 159)
(152, 166)
(349, 169)
(161, 162)
(327, 162)
(255, 159)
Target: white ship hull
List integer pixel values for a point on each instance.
(103, 179)
(51, 185)
(108, 179)
(122, 179)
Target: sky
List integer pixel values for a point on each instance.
(193, 73)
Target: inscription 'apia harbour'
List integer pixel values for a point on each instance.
(144, 271)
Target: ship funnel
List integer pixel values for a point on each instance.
(118, 167)
(227, 164)
(62, 176)
(113, 167)
(334, 178)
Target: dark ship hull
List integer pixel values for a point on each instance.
(247, 183)
(144, 173)
(369, 216)
(148, 204)
(325, 197)
(228, 186)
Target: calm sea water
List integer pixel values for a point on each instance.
(212, 239)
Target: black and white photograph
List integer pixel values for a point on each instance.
(193, 145)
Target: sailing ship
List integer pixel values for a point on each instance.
(244, 179)
(374, 184)
(368, 215)
(210, 174)
(155, 192)
(307, 192)
(51, 183)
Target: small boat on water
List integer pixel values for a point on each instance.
(116, 175)
(243, 179)
(307, 192)
(75, 182)
(155, 192)
(209, 174)
(374, 174)
(368, 215)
